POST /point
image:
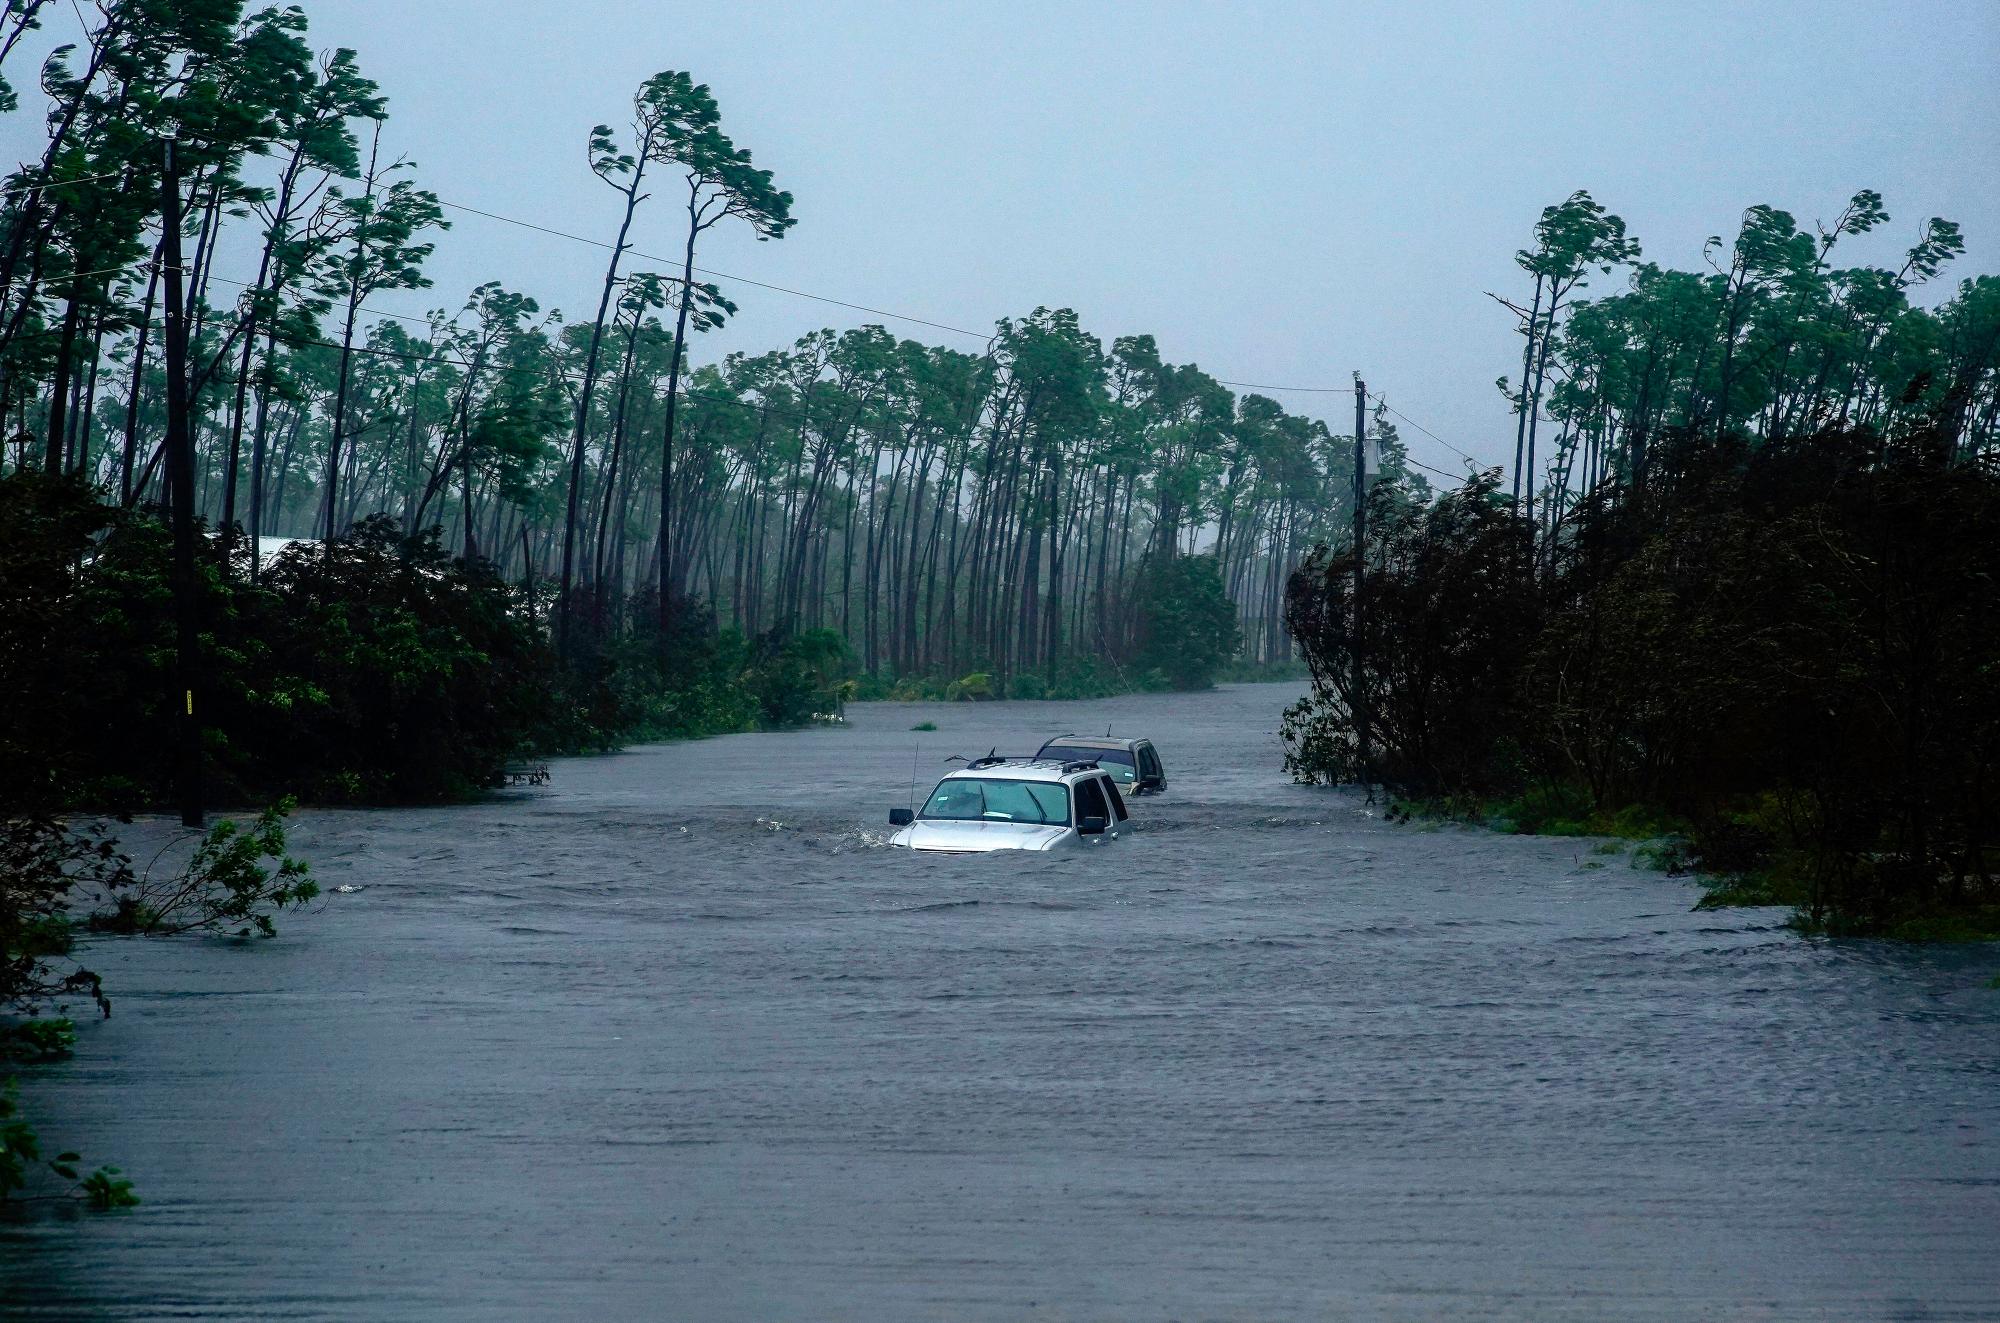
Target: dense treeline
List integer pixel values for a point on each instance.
(1020, 511)
(1754, 590)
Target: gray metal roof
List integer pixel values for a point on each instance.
(1091, 742)
(1021, 769)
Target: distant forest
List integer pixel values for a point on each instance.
(1006, 511)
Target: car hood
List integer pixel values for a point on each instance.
(977, 837)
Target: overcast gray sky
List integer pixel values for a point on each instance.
(1282, 193)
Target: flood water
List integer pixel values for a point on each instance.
(675, 1037)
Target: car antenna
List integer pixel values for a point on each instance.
(914, 755)
(1107, 730)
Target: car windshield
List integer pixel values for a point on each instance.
(1118, 762)
(992, 799)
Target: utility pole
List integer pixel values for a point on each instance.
(1360, 713)
(180, 483)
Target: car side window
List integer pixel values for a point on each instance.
(1090, 801)
(1117, 800)
(1149, 762)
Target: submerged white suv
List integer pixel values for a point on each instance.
(997, 803)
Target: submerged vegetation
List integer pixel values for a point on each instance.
(61, 884)
(1753, 593)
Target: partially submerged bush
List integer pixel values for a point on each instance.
(35, 1041)
(235, 880)
(1447, 619)
(21, 1153)
(1779, 652)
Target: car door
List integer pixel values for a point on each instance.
(1119, 812)
(1091, 803)
(1152, 776)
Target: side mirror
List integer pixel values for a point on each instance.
(901, 817)
(1091, 826)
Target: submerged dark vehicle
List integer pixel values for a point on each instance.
(1134, 764)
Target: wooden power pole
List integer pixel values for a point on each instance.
(180, 483)
(1360, 713)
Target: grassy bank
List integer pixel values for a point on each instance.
(1738, 857)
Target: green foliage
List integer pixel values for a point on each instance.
(33, 1041)
(377, 669)
(20, 1147)
(105, 1189)
(235, 879)
(686, 135)
(1940, 923)
(1448, 615)
(797, 678)
(46, 527)
(1079, 677)
(1243, 671)
(1776, 660)
(971, 688)
(695, 680)
(925, 726)
(42, 861)
(1733, 890)
(1188, 624)
(1668, 854)
(1546, 810)
(21, 1153)
(414, 672)
(1566, 809)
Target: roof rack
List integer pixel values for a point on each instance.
(995, 759)
(1030, 760)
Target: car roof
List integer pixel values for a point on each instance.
(1093, 742)
(1023, 769)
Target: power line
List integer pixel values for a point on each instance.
(823, 298)
(1453, 477)
(360, 307)
(1428, 432)
(720, 275)
(58, 183)
(839, 303)
(1303, 390)
(687, 393)
(833, 302)
(545, 374)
